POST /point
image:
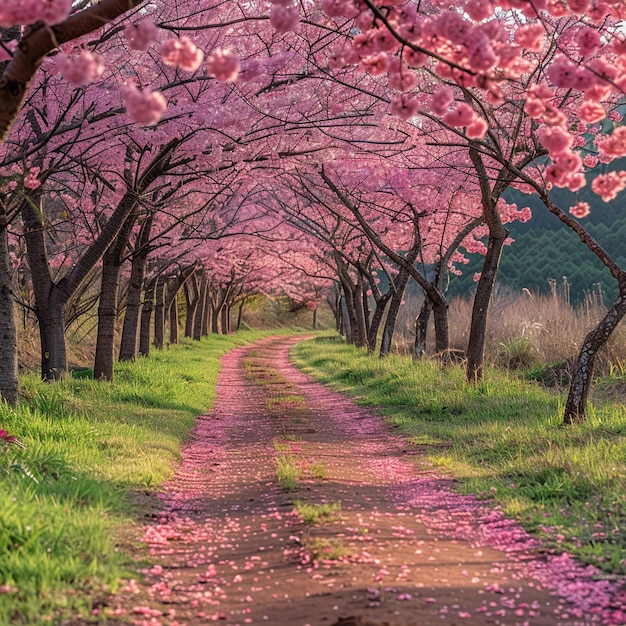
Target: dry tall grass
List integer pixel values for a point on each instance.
(526, 329)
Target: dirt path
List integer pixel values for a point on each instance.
(393, 545)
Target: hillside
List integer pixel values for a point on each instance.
(546, 251)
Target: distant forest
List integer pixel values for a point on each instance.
(545, 251)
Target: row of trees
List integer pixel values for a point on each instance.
(328, 145)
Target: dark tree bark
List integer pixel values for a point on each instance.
(399, 287)
(376, 321)
(159, 313)
(421, 329)
(334, 301)
(192, 299)
(353, 290)
(171, 299)
(173, 316)
(200, 310)
(240, 314)
(582, 379)
(225, 319)
(497, 235)
(130, 329)
(109, 295)
(218, 317)
(146, 317)
(8, 331)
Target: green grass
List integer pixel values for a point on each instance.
(503, 439)
(318, 470)
(288, 472)
(316, 513)
(88, 445)
(326, 549)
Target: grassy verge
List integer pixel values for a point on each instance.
(64, 496)
(502, 439)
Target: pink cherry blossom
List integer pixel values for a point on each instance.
(441, 100)
(463, 115)
(142, 35)
(590, 161)
(223, 64)
(404, 106)
(530, 37)
(591, 112)
(477, 129)
(580, 210)
(614, 145)
(30, 180)
(285, 19)
(80, 69)
(31, 11)
(607, 186)
(144, 106)
(556, 139)
(400, 76)
(182, 53)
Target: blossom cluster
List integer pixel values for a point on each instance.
(31, 11)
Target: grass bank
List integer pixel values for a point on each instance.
(502, 439)
(64, 496)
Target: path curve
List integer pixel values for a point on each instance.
(399, 548)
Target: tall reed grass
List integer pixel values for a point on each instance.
(525, 329)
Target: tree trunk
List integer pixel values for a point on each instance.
(335, 304)
(400, 284)
(225, 320)
(315, 318)
(49, 297)
(107, 315)
(350, 315)
(200, 310)
(8, 331)
(353, 291)
(484, 289)
(174, 322)
(171, 299)
(377, 318)
(442, 332)
(582, 378)
(208, 312)
(476, 345)
(159, 313)
(109, 296)
(421, 329)
(128, 343)
(192, 299)
(366, 308)
(146, 318)
(240, 314)
(215, 318)
(52, 336)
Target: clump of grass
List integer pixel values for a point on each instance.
(502, 438)
(285, 402)
(317, 513)
(288, 472)
(318, 470)
(325, 549)
(63, 497)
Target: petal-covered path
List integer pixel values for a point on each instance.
(393, 545)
